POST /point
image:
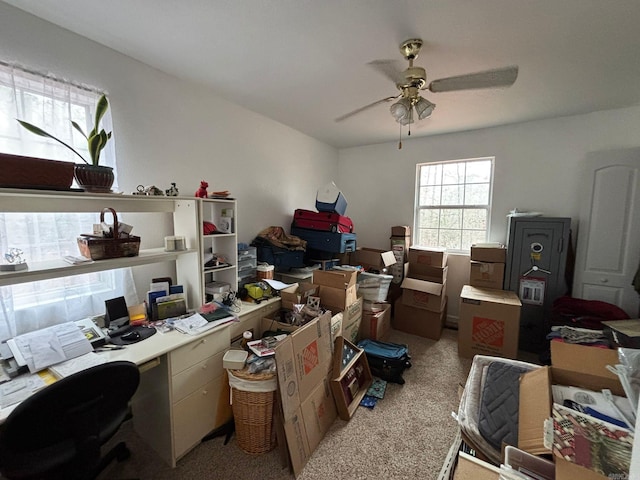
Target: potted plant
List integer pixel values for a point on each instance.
(91, 176)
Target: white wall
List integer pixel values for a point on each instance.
(169, 130)
(537, 168)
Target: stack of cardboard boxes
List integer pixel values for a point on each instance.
(487, 266)
(338, 293)
(422, 308)
(489, 319)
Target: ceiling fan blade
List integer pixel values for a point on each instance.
(366, 107)
(392, 69)
(500, 77)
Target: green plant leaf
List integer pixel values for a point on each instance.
(101, 109)
(42, 133)
(77, 127)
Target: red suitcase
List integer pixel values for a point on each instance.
(322, 221)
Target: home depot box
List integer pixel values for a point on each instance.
(308, 425)
(571, 365)
(373, 259)
(303, 360)
(421, 294)
(433, 257)
(426, 272)
(418, 321)
(486, 275)
(376, 321)
(495, 253)
(489, 322)
(298, 294)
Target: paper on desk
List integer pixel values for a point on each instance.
(19, 389)
(51, 345)
(77, 364)
(196, 324)
(276, 284)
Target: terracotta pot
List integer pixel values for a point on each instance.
(94, 178)
(17, 171)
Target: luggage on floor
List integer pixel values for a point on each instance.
(387, 360)
(327, 241)
(323, 221)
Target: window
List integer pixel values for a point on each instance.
(50, 104)
(453, 203)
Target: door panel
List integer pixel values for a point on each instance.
(608, 249)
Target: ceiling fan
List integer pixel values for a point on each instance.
(414, 79)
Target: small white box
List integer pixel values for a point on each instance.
(234, 359)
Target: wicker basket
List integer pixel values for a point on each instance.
(253, 411)
(100, 248)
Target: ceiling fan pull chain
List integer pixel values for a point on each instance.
(400, 138)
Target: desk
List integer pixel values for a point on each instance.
(184, 391)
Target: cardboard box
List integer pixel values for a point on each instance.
(401, 231)
(341, 279)
(418, 321)
(337, 299)
(274, 323)
(433, 257)
(489, 322)
(486, 275)
(351, 319)
(351, 377)
(298, 294)
(491, 254)
(303, 360)
(296, 441)
(319, 412)
(471, 468)
(571, 365)
(426, 272)
(622, 333)
(373, 259)
(421, 294)
(336, 326)
(376, 321)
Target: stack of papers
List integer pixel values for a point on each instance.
(195, 324)
(51, 345)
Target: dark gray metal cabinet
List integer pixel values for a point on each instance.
(536, 259)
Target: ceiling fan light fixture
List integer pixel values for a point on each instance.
(424, 108)
(401, 109)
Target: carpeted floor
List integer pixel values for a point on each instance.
(407, 435)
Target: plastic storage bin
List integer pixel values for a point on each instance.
(374, 287)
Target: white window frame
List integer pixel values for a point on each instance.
(459, 206)
(49, 103)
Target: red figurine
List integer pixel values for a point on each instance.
(202, 191)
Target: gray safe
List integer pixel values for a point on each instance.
(535, 270)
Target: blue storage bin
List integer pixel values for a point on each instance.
(330, 199)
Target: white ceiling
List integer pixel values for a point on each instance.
(304, 62)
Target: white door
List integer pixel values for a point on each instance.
(608, 246)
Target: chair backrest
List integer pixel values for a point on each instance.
(60, 420)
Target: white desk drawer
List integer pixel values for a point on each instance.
(199, 350)
(185, 382)
(195, 416)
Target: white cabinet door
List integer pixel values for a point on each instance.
(608, 247)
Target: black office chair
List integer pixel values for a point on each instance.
(57, 433)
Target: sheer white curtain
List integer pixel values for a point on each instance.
(51, 104)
